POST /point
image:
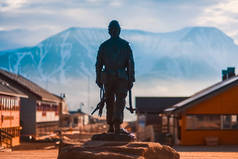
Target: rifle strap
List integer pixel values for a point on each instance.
(130, 100)
(101, 93)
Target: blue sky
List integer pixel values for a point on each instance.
(52, 16)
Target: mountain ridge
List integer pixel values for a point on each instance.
(76, 47)
(65, 62)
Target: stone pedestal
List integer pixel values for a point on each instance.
(113, 137)
(116, 150)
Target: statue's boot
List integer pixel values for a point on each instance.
(117, 128)
(111, 129)
(124, 131)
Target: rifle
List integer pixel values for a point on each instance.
(101, 104)
(130, 108)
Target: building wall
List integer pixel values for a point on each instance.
(47, 112)
(47, 118)
(223, 103)
(46, 128)
(10, 117)
(28, 116)
(38, 118)
(78, 120)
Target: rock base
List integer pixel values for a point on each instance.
(113, 137)
(116, 150)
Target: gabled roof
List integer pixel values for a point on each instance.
(155, 104)
(7, 89)
(30, 86)
(77, 112)
(205, 93)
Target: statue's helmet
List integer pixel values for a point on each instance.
(114, 28)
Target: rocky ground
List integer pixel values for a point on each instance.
(116, 150)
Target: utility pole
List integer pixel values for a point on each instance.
(88, 90)
(81, 106)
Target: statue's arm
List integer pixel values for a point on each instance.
(99, 64)
(131, 65)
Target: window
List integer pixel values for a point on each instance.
(43, 113)
(229, 121)
(8, 103)
(210, 122)
(16, 103)
(1, 105)
(76, 120)
(11, 104)
(203, 122)
(4, 104)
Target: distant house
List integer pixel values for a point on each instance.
(9, 114)
(81, 122)
(63, 111)
(39, 113)
(210, 116)
(78, 119)
(151, 120)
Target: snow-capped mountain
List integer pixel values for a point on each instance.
(188, 54)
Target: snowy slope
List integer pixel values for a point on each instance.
(187, 53)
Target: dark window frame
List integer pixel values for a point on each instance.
(221, 127)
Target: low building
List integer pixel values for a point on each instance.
(82, 122)
(151, 120)
(9, 114)
(39, 113)
(63, 111)
(78, 119)
(210, 116)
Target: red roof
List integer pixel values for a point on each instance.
(7, 89)
(30, 86)
(207, 92)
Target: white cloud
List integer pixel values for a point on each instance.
(86, 17)
(222, 15)
(11, 4)
(150, 15)
(146, 15)
(216, 20)
(115, 3)
(228, 6)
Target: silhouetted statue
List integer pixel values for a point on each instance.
(115, 74)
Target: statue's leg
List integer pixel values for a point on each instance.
(110, 102)
(121, 93)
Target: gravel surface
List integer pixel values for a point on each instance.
(204, 152)
(32, 151)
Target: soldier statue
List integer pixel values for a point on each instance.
(115, 74)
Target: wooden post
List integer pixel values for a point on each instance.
(168, 124)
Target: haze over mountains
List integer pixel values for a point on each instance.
(194, 54)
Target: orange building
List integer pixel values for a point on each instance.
(209, 116)
(9, 114)
(40, 112)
